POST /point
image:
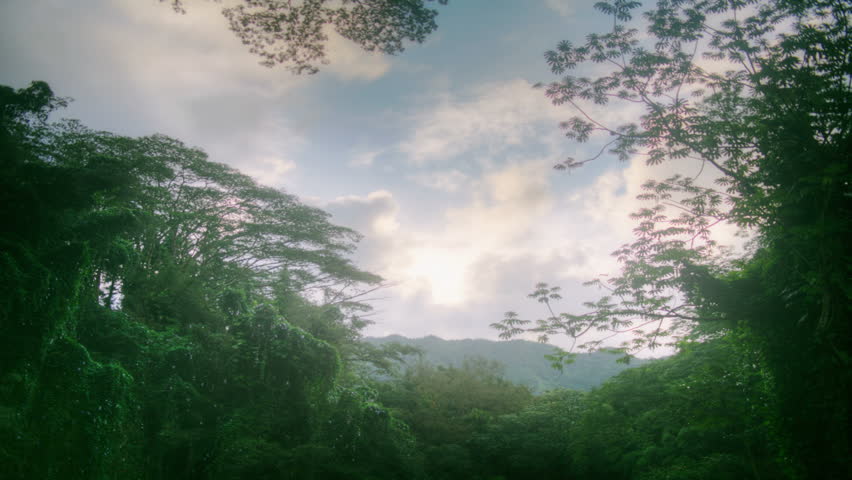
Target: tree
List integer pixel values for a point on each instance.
(775, 126)
(699, 414)
(761, 94)
(534, 442)
(294, 33)
(73, 410)
(204, 227)
(150, 316)
(445, 405)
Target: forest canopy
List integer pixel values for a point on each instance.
(163, 315)
(146, 298)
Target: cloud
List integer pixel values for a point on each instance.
(268, 151)
(364, 159)
(449, 181)
(503, 212)
(564, 8)
(506, 206)
(504, 283)
(348, 61)
(134, 65)
(480, 259)
(269, 170)
(601, 210)
(496, 221)
(138, 68)
(192, 56)
(436, 263)
(491, 117)
(373, 214)
(205, 32)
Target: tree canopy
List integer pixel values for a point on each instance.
(758, 93)
(165, 316)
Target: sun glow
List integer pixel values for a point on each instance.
(441, 271)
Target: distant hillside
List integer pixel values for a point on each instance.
(524, 361)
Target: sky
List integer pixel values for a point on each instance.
(441, 156)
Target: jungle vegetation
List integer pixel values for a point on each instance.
(165, 316)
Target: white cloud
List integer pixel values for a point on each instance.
(269, 170)
(348, 61)
(138, 68)
(564, 8)
(449, 181)
(364, 159)
(132, 65)
(482, 258)
(601, 211)
(204, 31)
(437, 264)
(506, 206)
(194, 56)
(373, 214)
(492, 117)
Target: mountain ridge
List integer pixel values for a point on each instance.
(523, 360)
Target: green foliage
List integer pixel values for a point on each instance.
(774, 126)
(143, 317)
(86, 415)
(705, 413)
(760, 93)
(446, 405)
(534, 442)
(79, 415)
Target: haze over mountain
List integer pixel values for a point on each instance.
(524, 361)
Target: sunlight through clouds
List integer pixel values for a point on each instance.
(439, 271)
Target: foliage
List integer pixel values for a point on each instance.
(446, 404)
(778, 153)
(446, 407)
(759, 93)
(143, 316)
(533, 442)
(295, 33)
(711, 411)
(701, 414)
